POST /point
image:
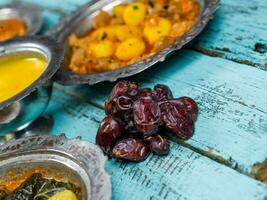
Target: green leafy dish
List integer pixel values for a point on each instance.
(36, 187)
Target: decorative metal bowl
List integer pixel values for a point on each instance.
(80, 162)
(23, 108)
(80, 22)
(29, 13)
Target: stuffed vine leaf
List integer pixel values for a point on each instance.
(38, 188)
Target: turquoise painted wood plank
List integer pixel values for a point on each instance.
(232, 123)
(183, 174)
(238, 32)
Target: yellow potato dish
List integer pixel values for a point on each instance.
(132, 32)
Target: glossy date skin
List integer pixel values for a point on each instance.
(121, 98)
(163, 92)
(131, 149)
(158, 144)
(108, 134)
(148, 93)
(188, 104)
(177, 120)
(147, 116)
(120, 104)
(137, 119)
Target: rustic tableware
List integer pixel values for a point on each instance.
(29, 13)
(81, 162)
(19, 111)
(80, 22)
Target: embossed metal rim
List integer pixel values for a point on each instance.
(64, 76)
(86, 155)
(52, 47)
(24, 11)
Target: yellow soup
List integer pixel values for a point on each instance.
(17, 72)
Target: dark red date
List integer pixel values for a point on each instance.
(163, 92)
(158, 144)
(120, 102)
(136, 117)
(131, 149)
(108, 134)
(125, 88)
(148, 93)
(147, 116)
(177, 120)
(188, 104)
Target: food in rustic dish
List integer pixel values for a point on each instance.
(11, 28)
(18, 71)
(36, 187)
(138, 119)
(132, 32)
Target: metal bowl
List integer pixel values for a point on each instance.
(23, 108)
(29, 13)
(80, 22)
(78, 161)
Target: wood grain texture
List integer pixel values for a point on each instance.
(232, 123)
(183, 174)
(238, 32)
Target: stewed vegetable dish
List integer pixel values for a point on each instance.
(38, 188)
(32, 185)
(12, 28)
(130, 33)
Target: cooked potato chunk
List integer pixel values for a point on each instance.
(125, 32)
(156, 28)
(102, 19)
(119, 10)
(107, 32)
(134, 13)
(64, 195)
(134, 30)
(130, 49)
(101, 49)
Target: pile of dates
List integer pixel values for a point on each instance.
(138, 119)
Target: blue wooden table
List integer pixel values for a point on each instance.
(224, 69)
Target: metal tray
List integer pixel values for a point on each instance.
(48, 48)
(80, 22)
(81, 162)
(29, 13)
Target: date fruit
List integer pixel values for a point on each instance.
(177, 120)
(131, 149)
(108, 134)
(188, 104)
(163, 92)
(120, 102)
(137, 118)
(158, 144)
(148, 93)
(147, 116)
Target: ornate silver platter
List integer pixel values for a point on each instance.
(81, 162)
(80, 22)
(29, 13)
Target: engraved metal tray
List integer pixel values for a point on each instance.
(80, 22)
(81, 162)
(29, 13)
